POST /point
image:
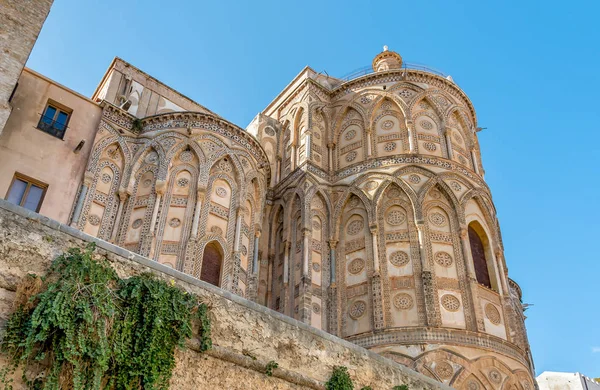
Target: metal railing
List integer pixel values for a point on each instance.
(405, 65)
(51, 126)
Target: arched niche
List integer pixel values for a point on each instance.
(212, 264)
(482, 256)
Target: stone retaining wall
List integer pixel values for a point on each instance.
(246, 336)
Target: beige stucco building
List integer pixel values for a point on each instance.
(355, 205)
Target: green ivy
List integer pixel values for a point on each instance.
(401, 387)
(270, 367)
(340, 379)
(88, 329)
(367, 388)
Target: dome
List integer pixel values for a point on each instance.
(387, 60)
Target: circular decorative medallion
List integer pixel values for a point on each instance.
(355, 227)
(216, 230)
(455, 186)
(365, 99)
(462, 160)
(316, 267)
(350, 134)
(457, 137)
(399, 258)
(183, 182)
(495, 376)
(426, 125)
(390, 146)
(443, 258)
(356, 266)
(317, 135)
(395, 217)
(405, 93)
(186, 156)
(221, 192)
(224, 166)
(354, 202)
(450, 302)
(152, 157)
(269, 131)
(430, 146)
(444, 370)
(351, 156)
(424, 105)
(386, 106)
(316, 308)
(472, 385)
(415, 179)
(137, 224)
(244, 250)
(106, 178)
(316, 225)
(437, 219)
(435, 194)
(387, 124)
(94, 220)
(357, 309)
(403, 301)
(175, 222)
(147, 183)
(370, 185)
(492, 313)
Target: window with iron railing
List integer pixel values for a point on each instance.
(54, 121)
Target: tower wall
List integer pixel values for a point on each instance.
(382, 230)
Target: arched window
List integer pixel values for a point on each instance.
(482, 272)
(211, 264)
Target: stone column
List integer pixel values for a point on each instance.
(332, 269)
(285, 296)
(79, 205)
(369, 152)
(255, 255)
(308, 140)
(330, 147)
(293, 159)
(123, 195)
(238, 228)
(196, 220)
(306, 236)
(411, 136)
(474, 161)
(375, 249)
(502, 287)
(160, 187)
(278, 170)
(428, 278)
(447, 134)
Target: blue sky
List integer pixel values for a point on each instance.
(530, 68)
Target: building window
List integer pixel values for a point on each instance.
(54, 120)
(480, 263)
(26, 192)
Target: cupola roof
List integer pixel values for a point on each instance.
(387, 60)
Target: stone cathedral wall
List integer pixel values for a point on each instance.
(246, 336)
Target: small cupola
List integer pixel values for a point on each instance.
(387, 60)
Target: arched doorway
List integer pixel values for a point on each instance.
(212, 262)
(478, 252)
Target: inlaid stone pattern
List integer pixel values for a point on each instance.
(357, 309)
(399, 258)
(443, 258)
(403, 301)
(450, 302)
(355, 227)
(492, 313)
(356, 266)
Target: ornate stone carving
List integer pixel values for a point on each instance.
(450, 302)
(443, 258)
(94, 220)
(357, 309)
(444, 370)
(354, 227)
(437, 219)
(493, 314)
(395, 217)
(403, 301)
(137, 223)
(351, 156)
(399, 258)
(356, 266)
(387, 125)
